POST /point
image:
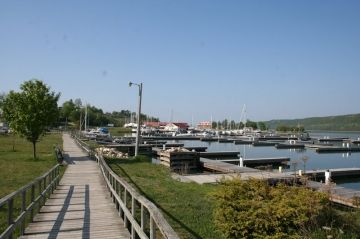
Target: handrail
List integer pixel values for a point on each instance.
(45, 184)
(119, 191)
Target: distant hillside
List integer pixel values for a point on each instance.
(336, 123)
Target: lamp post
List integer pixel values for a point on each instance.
(138, 118)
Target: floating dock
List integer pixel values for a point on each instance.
(355, 141)
(335, 173)
(332, 139)
(240, 141)
(224, 140)
(264, 143)
(314, 146)
(197, 148)
(221, 154)
(334, 149)
(280, 138)
(258, 161)
(209, 139)
(289, 146)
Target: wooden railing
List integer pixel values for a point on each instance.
(32, 195)
(143, 219)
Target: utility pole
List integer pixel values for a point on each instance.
(138, 118)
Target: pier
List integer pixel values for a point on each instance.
(334, 149)
(337, 194)
(222, 154)
(197, 148)
(289, 146)
(263, 143)
(332, 139)
(240, 141)
(335, 173)
(258, 161)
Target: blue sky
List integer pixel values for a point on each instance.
(283, 59)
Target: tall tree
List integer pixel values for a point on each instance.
(30, 111)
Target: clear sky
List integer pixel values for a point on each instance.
(197, 58)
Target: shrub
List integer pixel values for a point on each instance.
(254, 209)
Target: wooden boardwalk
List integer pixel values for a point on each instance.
(81, 207)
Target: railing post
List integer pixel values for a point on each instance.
(125, 218)
(121, 212)
(44, 197)
(142, 217)
(133, 216)
(23, 208)
(39, 195)
(32, 198)
(152, 228)
(10, 213)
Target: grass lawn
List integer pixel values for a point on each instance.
(18, 168)
(187, 206)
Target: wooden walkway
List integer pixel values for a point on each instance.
(81, 206)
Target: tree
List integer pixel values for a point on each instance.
(2, 98)
(262, 126)
(32, 110)
(251, 124)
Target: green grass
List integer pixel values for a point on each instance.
(118, 131)
(187, 206)
(18, 168)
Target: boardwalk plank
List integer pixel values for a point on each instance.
(81, 207)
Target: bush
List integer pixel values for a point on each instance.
(254, 209)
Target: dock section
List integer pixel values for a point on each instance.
(335, 173)
(258, 161)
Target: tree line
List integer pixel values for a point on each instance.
(73, 111)
(231, 124)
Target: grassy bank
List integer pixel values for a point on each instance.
(187, 206)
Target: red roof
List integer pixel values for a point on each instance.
(182, 125)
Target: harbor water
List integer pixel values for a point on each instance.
(315, 160)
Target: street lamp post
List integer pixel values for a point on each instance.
(138, 118)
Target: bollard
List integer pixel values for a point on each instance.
(327, 177)
(280, 169)
(164, 147)
(241, 162)
(300, 172)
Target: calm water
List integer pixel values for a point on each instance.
(316, 161)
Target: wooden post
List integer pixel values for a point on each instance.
(10, 213)
(142, 217)
(23, 208)
(39, 204)
(32, 198)
(44, 197)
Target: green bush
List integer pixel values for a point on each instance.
(254, 209)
